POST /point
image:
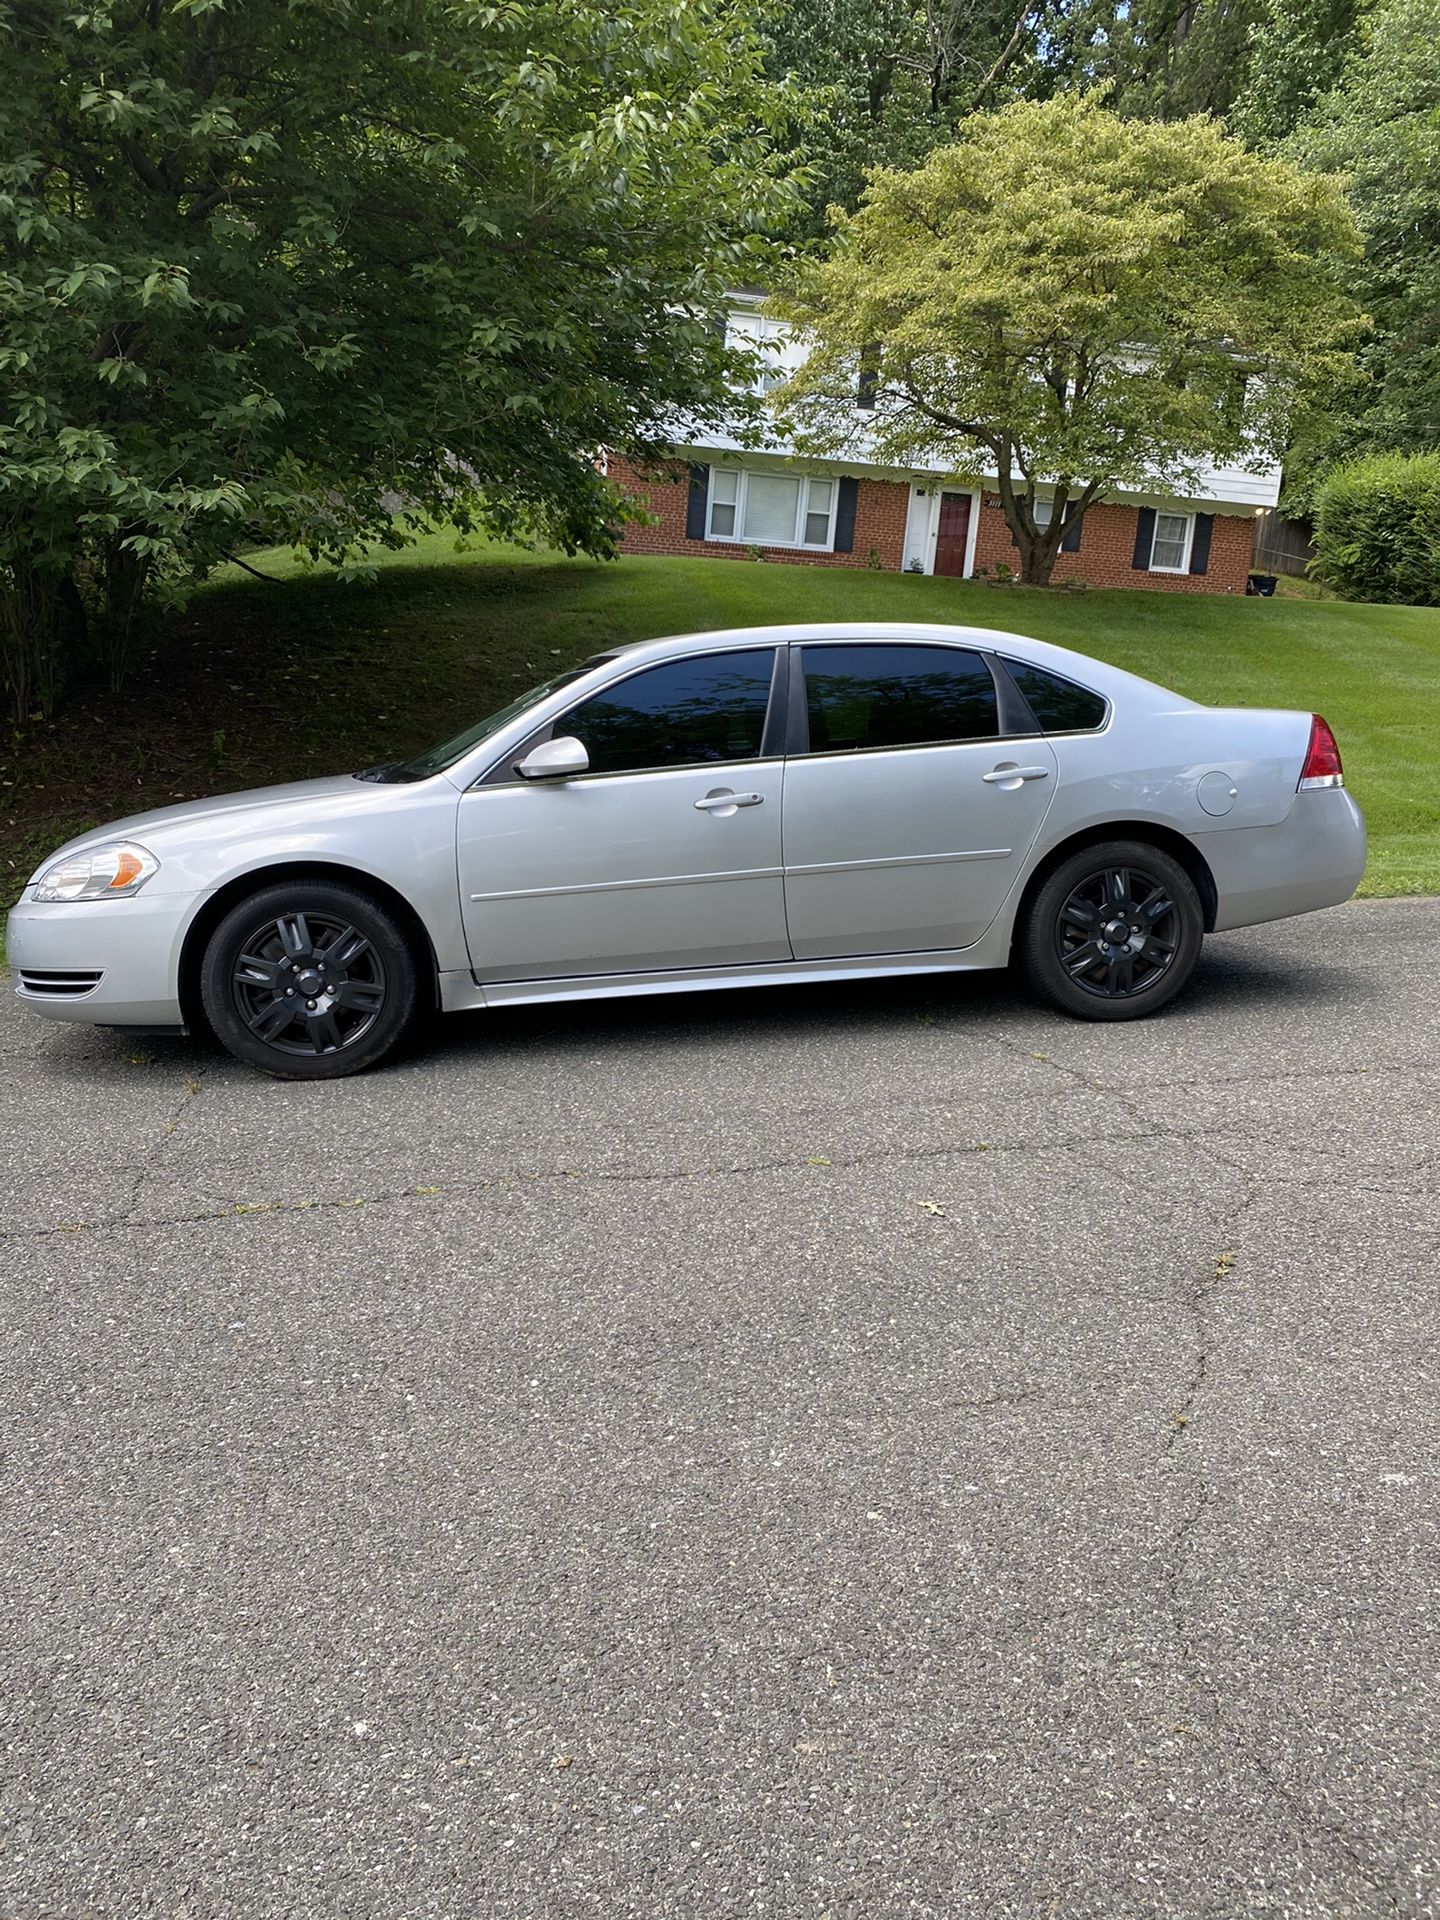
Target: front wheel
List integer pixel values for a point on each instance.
(1113, 933)
(309, 980)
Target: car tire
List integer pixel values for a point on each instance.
(1113, 933)
(309, 980)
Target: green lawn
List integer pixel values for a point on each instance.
(259, 681)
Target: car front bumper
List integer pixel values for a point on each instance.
(104, 962)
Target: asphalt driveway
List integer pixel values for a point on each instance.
(865, 1452)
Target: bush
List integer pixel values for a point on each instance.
(1377, 529)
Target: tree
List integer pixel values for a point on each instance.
(1380, 126)
(881, 82)
(1068, 297)
(1296, 53)
(1155, 59)
(267, 264)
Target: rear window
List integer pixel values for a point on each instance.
(1059, 706)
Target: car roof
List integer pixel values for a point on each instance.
(1098, 674)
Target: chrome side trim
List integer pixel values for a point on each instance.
(514, 993)
(745, 873)
(631, 886)
(902, 860)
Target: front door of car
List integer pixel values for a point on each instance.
(663, 855)
(908, 817)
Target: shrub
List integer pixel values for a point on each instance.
(1377, 529)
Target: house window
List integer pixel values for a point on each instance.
(1170, 549)
(770, 341)
(724, 503)
(772, 509)
(817, 512)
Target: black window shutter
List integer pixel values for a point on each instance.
(1144, 537)
(869, 378)
(1070, 544)
(1200, 542)
(695, 504)
(845, 515)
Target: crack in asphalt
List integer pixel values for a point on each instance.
(1062, 1067)
(1017, 1048)
(1081, 1148)
(1199, 1300)
(513, 1178)
(193, 1087)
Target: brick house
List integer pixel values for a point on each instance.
(719, 498)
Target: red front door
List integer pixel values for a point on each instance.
(953, 532)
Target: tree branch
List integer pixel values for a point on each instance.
(1011, 48)
(985, 435)
(149, 173)
(236, 561)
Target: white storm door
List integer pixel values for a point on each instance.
(893, 847)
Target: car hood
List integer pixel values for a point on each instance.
(162, 823)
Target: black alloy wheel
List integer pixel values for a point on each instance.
(1113, 933)
(308, 983)
(1117, 932)
(309, 980)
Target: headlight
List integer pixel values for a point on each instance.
(98, 874)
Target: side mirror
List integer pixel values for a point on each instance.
(554, 760)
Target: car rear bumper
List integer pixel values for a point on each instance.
(102, 962)
(1314, 858)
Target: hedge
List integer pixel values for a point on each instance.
(1377, 529)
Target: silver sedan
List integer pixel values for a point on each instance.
(721, 809)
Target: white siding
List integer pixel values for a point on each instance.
(1236, 487)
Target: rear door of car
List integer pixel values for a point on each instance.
(911, 800)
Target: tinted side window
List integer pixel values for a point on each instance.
(1059, 706)
(896, 696)
(682, 714)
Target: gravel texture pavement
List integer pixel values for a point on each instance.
(842, 1453)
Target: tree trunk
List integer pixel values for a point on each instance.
(124, 579)
(1037, 546)
(1037, 557)
(32, 637)
(47, 637)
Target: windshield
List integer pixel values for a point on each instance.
(437, 759)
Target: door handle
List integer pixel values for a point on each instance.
(725, 802)
(1012, 776)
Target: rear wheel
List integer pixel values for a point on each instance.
(309, 980)
(1113, 933)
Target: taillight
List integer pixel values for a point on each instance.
(1322, 766)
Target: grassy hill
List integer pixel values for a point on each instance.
(263, 680)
